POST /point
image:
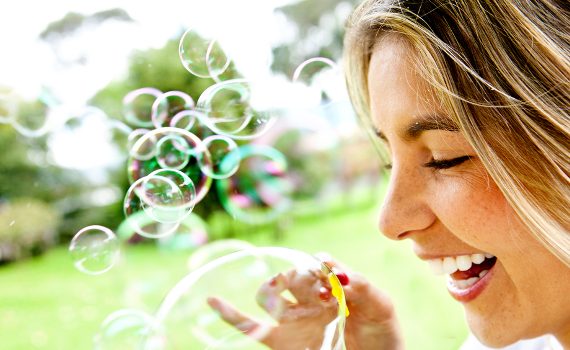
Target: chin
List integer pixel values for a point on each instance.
(493, 334)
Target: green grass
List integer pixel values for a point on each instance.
(46, 304)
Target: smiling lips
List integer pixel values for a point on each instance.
(466, 273)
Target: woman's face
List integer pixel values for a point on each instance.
(441, 197)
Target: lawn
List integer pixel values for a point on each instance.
(46, 304)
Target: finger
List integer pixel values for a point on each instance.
(305, 285)
(269, 296)
(238, 319)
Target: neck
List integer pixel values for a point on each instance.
(563, 338)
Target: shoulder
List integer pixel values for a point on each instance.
(546, 342)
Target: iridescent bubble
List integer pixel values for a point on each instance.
(215, 250)
(229, 110)
(202, 57)
(173, 153)
(167, 105)
(125, 329)
(167, 196)
(137, 106)
(260, 190)
(220, 149)
(94, 249)
(280, 293)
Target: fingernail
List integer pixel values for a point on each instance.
(342, 277)
(324, 294)
(273, 282)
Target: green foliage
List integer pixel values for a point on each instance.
(27, 227)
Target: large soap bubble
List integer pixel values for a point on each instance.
(215, 250)
(254, 299)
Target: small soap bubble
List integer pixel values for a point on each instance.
(220, 148)
(137, 106)
(167, 105)
(35, 118)
(172, 152)
(276, 290)
(125, 329)
(201, 56)
(94, 249)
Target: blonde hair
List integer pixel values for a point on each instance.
(502, 70)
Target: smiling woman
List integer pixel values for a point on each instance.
(471, 101)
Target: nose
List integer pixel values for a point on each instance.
(405, 208)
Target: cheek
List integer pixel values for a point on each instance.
(474, 210)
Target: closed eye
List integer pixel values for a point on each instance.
(446, 163)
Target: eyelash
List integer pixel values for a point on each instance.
(440, 164)
(446, 163)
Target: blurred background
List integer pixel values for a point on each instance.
(66, 159)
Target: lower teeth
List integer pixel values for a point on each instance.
(464, 284)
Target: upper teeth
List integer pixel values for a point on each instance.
(451, 264)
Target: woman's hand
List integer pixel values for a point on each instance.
(301, 322)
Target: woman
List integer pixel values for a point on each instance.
(470, 100)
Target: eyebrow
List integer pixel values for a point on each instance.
(424, 123)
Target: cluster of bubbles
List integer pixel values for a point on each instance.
(178, 150)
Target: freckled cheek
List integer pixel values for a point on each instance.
(476, 215)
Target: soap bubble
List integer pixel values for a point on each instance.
(137, 106)
(260, 190)
(166, 106)
(178, 151)
(35, 117)
(214, 250)
(124, 329)
(172, 152)
(166, 195)
(230, 112)
(94, 249)
(202, 57)
(279, 293)
(219, 148)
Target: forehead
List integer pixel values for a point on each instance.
(396, 91)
